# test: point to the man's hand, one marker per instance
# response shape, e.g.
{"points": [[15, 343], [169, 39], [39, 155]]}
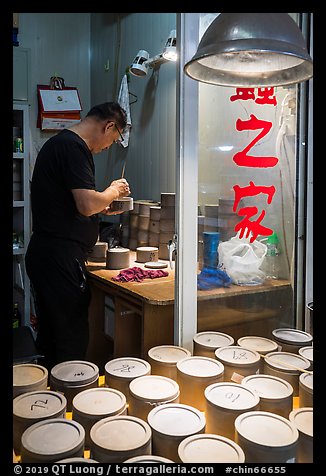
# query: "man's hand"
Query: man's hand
{"points": [[121, 186], [108, 211]]}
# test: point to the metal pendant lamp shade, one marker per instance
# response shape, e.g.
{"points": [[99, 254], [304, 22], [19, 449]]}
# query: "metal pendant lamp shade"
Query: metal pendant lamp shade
{"points": [[251, 50]]}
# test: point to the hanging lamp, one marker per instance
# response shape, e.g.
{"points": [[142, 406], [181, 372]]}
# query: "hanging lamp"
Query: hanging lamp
{"points": [[251, 50]]}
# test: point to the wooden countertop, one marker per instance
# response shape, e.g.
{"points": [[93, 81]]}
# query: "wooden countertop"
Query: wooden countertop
{"points": [[160, 291]]}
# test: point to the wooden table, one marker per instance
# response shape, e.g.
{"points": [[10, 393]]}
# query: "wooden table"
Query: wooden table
{"points": [[143, 313]]}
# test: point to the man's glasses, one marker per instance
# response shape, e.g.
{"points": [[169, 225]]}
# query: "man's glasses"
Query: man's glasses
{"points": [[118, 141]]}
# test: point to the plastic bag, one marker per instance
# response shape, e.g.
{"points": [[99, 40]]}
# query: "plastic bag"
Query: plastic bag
{"points": [[242, 260]]}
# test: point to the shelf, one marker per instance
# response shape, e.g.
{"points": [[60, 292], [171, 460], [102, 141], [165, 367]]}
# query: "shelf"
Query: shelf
{"points": [[19, 251], [21, 211]]}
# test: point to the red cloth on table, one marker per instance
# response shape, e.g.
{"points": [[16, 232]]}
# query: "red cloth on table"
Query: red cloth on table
{"points": [[139, 274]]}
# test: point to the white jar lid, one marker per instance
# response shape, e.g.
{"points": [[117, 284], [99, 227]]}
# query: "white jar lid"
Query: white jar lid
{"points": [[266, 429], [259, 344], [148, 459], [99, 401], [169, 354], [120, 433], [176, 419], [306, 379], [237, 356], [287, 361], [75, 372], [56, 436], [210, 448], [268, 386], [28, 374], [127, 367], [307, 352], [303, 419], [292, 336], [147, 248], [39, 404], [77, 459], [118, 250], [198, 366], [233, 396], [213, 340], [155, 388]]}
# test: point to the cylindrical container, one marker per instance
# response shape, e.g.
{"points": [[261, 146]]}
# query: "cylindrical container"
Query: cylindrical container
{"points": [[155, 213], [73, 376], [287, 366], [122, 204], [31, 407], [150, 391], [29, 378], [167, 226], [308, 353], [209, 448], [117, 258], [291, 340], [164, 358], [135, 210], [121, 371], [227, 219], [79, 460], [167, 213], [276, 394], [117, 438], [167, 199], [310, 307], [194, 374], [171, 423], [147, 253], [98, 253], [145, 459], [145, 206], [224, 402], [143, 222], [306, 389], [238, 362], [266, 437], [51, 440], [302, 418], [154, 239], [210, 256], [154, 228], [211, 210], [205, 343], [260, 344], [90, 406]]}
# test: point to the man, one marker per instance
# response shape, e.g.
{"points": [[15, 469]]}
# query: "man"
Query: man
{"points": [[65, 227]]}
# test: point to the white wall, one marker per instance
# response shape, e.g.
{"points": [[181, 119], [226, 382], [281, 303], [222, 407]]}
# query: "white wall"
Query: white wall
{"points": [[59, 44], [150, 156]]}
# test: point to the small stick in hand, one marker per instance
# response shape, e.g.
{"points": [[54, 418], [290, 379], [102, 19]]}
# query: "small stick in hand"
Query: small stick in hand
{"points": [[123, 169]]}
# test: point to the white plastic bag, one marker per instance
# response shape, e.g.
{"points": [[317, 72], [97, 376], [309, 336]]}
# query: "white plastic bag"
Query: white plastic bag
{"points": [[242, 260]]}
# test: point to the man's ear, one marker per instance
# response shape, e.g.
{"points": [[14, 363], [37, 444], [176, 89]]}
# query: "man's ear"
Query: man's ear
{"points": [[109, 125]]}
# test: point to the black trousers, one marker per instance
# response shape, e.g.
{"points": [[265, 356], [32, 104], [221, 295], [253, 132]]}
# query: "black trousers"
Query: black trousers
{"points": [[56, 269]]}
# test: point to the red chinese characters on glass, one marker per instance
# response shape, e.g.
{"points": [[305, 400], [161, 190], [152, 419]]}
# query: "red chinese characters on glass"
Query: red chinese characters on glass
{"points": [[249, 226], [265, 95], [244, 160]]}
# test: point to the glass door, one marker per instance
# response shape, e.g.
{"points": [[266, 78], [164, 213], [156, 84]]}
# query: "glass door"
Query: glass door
{"points": [[241, 183]]}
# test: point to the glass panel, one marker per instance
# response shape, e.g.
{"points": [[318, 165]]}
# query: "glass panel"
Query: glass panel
{"points": [[246, 190]]}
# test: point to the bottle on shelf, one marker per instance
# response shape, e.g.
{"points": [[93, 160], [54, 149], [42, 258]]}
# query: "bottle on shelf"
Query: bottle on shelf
{"points": [[271, 262], [16, 316]]}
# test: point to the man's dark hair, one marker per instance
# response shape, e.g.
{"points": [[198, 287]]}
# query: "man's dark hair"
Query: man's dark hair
{"points": [[109, 111]]}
